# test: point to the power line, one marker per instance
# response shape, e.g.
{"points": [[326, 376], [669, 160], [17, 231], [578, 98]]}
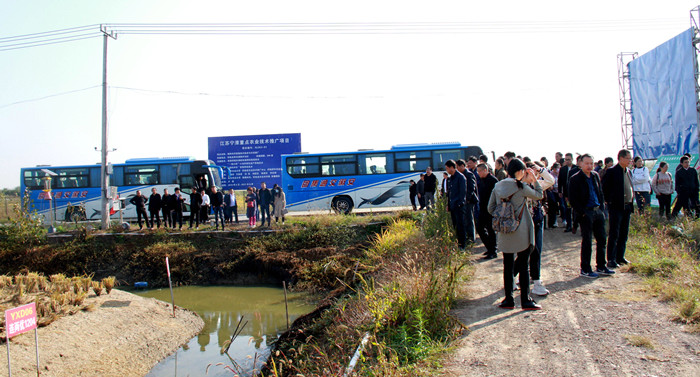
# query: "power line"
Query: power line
{"points": [[4, 47], [49, 96], [49, 33], [476, 27]]}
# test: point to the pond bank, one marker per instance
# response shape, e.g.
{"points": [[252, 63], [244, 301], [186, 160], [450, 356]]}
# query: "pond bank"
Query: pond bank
{"points": [[124, 335]]}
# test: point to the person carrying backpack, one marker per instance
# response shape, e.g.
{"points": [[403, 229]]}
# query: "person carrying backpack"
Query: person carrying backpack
{"points": [[515, 228]]}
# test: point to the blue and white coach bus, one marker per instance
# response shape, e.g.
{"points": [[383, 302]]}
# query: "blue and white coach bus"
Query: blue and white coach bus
{"points": [[363, 179], [79, 186]]}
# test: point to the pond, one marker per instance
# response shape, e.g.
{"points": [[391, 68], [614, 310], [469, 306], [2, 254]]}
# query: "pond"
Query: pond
{"points": [[221, 308]]}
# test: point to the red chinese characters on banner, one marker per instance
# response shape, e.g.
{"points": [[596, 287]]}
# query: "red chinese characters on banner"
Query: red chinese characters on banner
{"points": [[20, 319], [328, 183], [64, 195]]}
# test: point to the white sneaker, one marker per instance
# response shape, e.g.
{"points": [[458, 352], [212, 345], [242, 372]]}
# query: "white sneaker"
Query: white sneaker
{"points": [[539, 289]]}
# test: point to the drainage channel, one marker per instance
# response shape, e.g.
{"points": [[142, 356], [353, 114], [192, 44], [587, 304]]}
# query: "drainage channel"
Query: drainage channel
{"points": [[260, 313]]}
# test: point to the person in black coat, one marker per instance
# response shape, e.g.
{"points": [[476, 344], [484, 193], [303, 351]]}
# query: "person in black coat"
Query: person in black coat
{"points": [[420, 189], [154, 205], [176, 203], [587, 200], [619, 195], [195, 208], [412, 193], [139, 201], [686, 189], [217, 205], [166, 208], [457, 189], [264, 200], [472, 199], [484, 223], [563, 185], [573, 170]]}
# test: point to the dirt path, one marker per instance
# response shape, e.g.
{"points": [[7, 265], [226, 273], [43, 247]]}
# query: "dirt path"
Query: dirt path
{"points": [[126, 335], [581, 331]]}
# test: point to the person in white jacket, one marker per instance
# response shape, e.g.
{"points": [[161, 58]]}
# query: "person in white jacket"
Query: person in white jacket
{"points": [[641, 184]]}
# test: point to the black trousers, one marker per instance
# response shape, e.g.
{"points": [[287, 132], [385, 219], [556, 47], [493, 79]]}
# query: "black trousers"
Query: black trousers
{"points": [[177, 218], [513, 265], [265, 213], [664, 204], [195, 216], [592, 223], [141, 211], [230, 212], [619, 221], [458, 215], [687, 202], [155, 214], [413, 201], [552, 211], [167, 218], [484, 226]]}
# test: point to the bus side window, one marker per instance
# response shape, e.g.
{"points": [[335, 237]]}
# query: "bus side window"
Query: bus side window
{"points": [[185, 181], [117, 176]]}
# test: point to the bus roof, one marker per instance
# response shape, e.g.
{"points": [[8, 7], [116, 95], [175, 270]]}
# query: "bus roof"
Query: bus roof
{"points": [[394, 148], [131, 161]]}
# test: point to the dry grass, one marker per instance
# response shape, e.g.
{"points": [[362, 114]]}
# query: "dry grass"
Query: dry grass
{"points": [[54, 297], [666, 255], [7, 203], [403, 303], [639, 341]]}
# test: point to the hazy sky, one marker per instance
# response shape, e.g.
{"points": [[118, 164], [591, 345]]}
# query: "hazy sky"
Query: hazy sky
{"points": [[535, 77]]}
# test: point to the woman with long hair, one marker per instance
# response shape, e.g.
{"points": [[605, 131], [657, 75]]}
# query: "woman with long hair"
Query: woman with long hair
{"points": [[516, 246], [280, 203], [662, 184]]}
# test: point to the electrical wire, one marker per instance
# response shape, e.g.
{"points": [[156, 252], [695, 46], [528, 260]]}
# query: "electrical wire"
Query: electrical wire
{"points": [[49, 96], [47, 43], [476, 27], [49, 33]]}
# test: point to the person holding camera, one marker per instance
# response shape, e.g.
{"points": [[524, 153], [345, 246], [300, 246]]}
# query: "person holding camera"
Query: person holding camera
{"points": [[520, 186]]}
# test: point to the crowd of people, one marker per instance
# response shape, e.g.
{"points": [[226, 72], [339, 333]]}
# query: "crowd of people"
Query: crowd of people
{"points": [[208, 201], [511, 204]]}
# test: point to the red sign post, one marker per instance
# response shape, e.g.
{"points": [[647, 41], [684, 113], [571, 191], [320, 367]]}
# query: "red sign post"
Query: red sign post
{"points": [[17, 321], [170, 283]]}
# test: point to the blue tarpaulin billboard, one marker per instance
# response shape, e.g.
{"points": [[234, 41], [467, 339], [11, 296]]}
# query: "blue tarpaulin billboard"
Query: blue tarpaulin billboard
{"points": [[662, 91], [252, 159]]}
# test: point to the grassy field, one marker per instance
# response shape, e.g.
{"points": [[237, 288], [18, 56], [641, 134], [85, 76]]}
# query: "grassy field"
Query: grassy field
{"points": [[7, 204], [666, 255]]}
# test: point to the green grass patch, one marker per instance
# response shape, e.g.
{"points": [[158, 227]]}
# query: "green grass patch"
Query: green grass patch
{"points": [[666, 255], [401, 298]]}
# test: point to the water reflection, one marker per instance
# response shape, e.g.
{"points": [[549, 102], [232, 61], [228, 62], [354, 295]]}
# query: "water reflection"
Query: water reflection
{"points": [[221, 308]]}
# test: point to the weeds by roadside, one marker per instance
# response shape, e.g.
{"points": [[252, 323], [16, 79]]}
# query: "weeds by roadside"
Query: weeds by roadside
{"points": [[23, 228], [666, 255], [402, 302]]}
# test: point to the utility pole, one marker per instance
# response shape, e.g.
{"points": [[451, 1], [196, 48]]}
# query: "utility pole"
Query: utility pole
{"points": [[104, 177]]}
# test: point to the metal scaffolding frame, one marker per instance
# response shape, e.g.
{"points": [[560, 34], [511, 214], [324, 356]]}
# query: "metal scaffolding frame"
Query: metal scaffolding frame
{"points": [[623, 79], [695, 23]]}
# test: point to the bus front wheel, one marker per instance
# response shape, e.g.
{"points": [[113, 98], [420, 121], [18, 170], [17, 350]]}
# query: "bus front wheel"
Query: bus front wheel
{"points": [[342, 204]]}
